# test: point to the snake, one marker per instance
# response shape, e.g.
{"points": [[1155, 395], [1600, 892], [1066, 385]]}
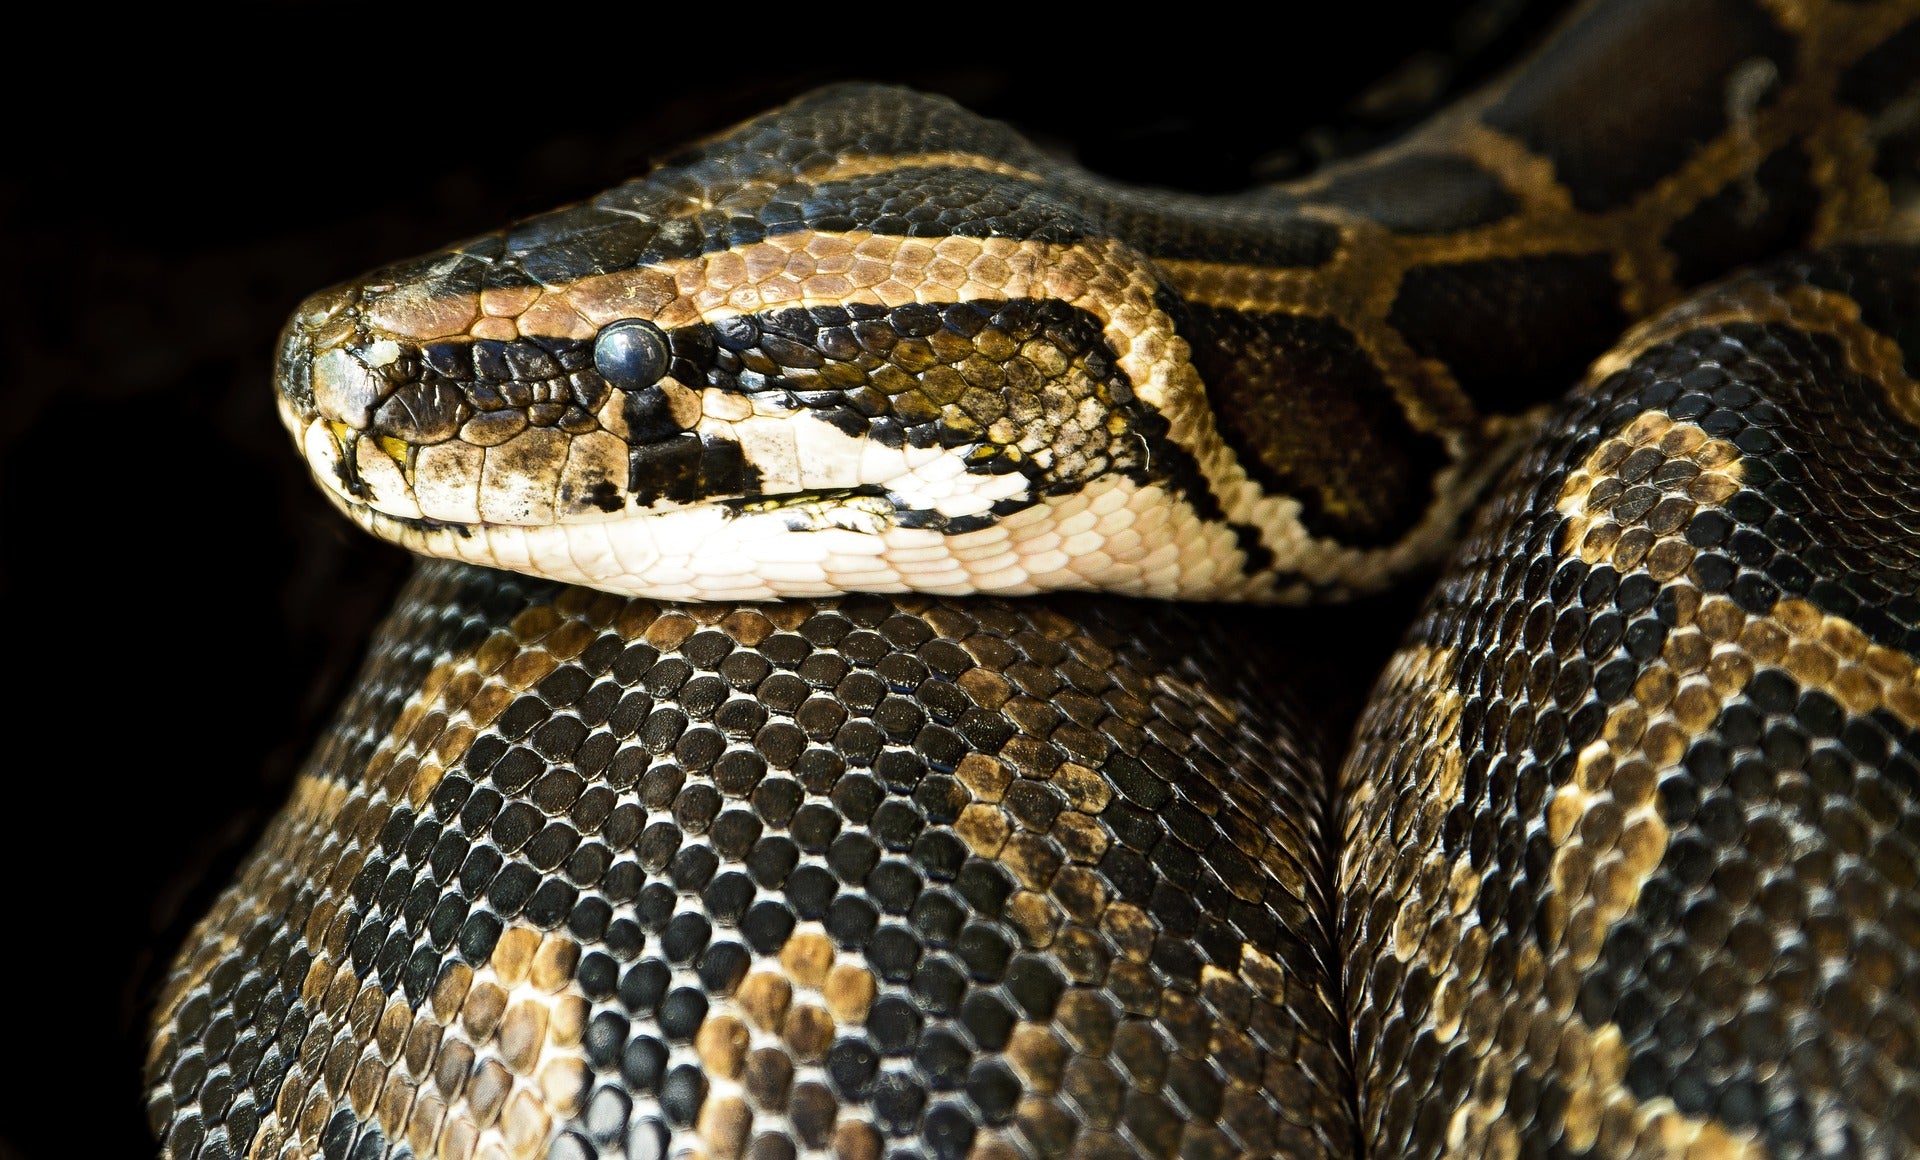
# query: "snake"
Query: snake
{"points": [[831, 725]]}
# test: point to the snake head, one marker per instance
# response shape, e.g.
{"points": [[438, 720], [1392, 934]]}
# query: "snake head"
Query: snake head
{"points": [[769, 368]]}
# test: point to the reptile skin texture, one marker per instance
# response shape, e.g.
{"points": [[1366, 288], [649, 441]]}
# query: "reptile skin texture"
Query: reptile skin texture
{"points": [[1632, 830], [790, 879], [1620, 861]]}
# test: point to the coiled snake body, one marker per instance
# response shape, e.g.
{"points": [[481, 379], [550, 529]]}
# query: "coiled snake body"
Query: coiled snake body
{"points": [[1621, 861]]}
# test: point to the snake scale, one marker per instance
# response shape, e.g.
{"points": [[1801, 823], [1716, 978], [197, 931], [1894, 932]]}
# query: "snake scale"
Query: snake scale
{"points": [[1621, 861]]}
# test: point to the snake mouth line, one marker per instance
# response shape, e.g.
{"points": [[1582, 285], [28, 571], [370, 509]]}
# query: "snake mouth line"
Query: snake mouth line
{"points": [[871, 500], [776, 501], [364, 513]]}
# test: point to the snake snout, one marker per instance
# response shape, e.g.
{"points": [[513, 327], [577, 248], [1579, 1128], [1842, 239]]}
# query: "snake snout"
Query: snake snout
{"points": [[315, 324], [293, 376], [344, 386], [323, 371]]}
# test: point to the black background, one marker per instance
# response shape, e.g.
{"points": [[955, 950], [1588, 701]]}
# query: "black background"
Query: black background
{"points": [[184, 610]]}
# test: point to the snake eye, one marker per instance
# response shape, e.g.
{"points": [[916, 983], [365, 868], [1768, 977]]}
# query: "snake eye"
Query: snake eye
{"points": [[631, 354]]}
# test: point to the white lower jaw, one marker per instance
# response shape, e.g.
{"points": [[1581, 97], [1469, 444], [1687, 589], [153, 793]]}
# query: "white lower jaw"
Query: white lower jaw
{"points": [[1113, 535]]}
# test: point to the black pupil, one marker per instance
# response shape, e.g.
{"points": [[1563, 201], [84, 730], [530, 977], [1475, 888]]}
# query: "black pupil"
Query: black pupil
{"points": [[630, 354]]}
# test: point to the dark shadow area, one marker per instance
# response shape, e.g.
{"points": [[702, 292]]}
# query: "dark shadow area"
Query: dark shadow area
{"points": [[185, 610]]}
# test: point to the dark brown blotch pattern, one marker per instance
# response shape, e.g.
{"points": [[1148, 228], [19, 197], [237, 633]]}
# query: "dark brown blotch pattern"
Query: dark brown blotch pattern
{"points": [[1633, 91], [1368, 487], [1631, 835], [1503, 327]]}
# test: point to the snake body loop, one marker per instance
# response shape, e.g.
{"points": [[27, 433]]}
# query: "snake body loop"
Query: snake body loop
{"points": [[1621, 860]]}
